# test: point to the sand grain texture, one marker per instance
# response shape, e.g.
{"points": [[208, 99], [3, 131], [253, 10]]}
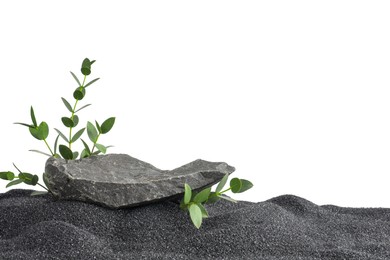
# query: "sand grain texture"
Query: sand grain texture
{"points": [[285, 227]]}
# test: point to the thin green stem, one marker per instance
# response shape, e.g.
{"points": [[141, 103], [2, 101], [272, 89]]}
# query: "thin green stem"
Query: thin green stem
{"points": [[94, 144], [85, 76], [43, 186], [48, 147], [72, 116], [225, 190], [70, 129]]}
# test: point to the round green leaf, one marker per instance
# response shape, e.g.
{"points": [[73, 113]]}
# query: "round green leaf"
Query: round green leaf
{"points": [[86, 71], [27, 178], [34, 180], [79, 93], [196, 215], [235, 185], [34, 132], [202, 195], [9, 176], [68, 122], [107, 125], [65, 152], [43, 130], [246, 185], [222, 183], [187, 193], [86, 67]]}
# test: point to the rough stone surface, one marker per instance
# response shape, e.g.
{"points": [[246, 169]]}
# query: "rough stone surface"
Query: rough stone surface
{"points": [[119, 180]]}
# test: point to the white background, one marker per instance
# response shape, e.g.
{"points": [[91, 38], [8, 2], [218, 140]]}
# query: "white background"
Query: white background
{"points": [[294, 94]]}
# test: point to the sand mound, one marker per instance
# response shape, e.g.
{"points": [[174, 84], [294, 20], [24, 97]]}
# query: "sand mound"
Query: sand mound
{"points": [[285, 227]]}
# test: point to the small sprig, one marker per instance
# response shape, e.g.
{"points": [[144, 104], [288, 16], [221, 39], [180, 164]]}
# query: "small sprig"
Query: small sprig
{"points": [[94, 134], [192, 202], [23, 177], [40, 132]]}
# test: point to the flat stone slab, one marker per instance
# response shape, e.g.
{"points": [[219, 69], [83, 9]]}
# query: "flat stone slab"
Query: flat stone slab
{"points": [[119, 180]]}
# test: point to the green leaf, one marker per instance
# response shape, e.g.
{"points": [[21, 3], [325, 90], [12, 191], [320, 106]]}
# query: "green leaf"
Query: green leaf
{"points": [[68, 106], [205, 214], [34, 180], [68, 122], [86, 67], [79, 93], [235, 185], [55, 144], [36, 151], [187, 193], [246, 185], [107, 125], [65, 152], [75, 154], [28, 178], [84, 154], [34, 120], [92, 132], [43, 129], [38, 192], [14, 183], [9, 176], [75, 120], [91, 82], [222, 183], [62, 135], [98, 127], [227, 198], [202, 195], [77, 135], [213, 197], [41, 132], [196, 215], [96, 152], [82, 108], [24, 125], [101, 148], [86, 147], [77, 80], [34, 132]]}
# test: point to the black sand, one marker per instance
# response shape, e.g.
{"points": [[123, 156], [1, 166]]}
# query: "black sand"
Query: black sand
{"points": [[285, 227]]}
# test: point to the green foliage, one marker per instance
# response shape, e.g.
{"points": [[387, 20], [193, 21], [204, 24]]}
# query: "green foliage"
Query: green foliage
{"points": [[40, 131], [192, 202]]}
